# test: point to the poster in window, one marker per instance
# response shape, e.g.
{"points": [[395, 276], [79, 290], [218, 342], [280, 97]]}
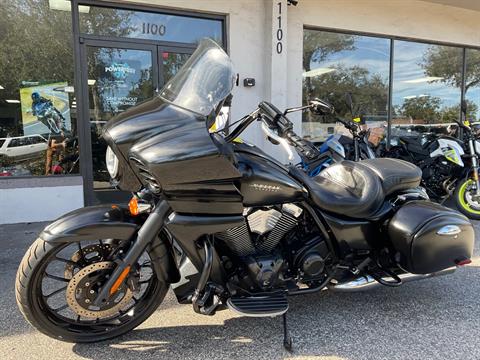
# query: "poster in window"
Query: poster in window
{"points": [[45, 109]]}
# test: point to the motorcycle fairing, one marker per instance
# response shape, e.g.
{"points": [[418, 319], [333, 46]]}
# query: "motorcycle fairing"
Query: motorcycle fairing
{"points": [[334, 144], [451, 150]]}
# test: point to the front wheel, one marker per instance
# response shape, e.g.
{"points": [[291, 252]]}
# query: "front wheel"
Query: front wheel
{"points": [[466, 199], [56, 285]]}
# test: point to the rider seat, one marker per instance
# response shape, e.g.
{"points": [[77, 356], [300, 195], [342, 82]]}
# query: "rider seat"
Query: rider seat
{"points": [[395, 174]]}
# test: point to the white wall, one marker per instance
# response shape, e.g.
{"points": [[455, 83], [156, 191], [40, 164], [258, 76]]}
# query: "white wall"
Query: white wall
{"points": [[41, 203]]}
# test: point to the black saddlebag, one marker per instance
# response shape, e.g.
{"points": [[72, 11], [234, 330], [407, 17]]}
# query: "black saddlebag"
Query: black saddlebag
{"points": [[429, 237]]}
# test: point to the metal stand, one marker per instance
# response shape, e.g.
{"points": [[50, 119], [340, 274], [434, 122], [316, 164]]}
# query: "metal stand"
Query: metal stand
{"points": [[287, 339]]}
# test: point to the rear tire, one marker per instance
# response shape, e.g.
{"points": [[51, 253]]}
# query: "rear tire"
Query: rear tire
{"points": [[32, 304], [463, 200]]}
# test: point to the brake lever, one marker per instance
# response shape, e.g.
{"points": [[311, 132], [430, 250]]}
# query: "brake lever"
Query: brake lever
{"points": [[270, 133]]}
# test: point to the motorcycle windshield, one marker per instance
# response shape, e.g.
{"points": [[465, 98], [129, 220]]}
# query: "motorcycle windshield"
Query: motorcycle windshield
{"points": [[203, 82]]}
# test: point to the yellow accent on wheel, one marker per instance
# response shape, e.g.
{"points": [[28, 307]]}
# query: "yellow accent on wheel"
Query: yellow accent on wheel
{"points": [[461, 197]]}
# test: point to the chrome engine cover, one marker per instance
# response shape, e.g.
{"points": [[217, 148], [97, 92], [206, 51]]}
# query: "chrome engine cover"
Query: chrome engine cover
{"points": [[262, 231], [263, 221]]}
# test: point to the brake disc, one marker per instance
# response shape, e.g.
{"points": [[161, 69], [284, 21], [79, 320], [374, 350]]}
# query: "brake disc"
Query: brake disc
{"points": [[85, 255], [83, 289]]}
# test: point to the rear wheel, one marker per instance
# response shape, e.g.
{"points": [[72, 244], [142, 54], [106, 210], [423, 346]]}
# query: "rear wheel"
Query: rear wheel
{"points": [[56, 285], [467, 200]]}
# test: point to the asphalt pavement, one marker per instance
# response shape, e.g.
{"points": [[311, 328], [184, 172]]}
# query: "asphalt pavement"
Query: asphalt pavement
{"points": [[430, 319]]}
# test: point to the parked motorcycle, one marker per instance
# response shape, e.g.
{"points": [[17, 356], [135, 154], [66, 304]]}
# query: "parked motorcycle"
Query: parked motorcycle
{"points": [[252, 232], [449, 165], [339, 147]]}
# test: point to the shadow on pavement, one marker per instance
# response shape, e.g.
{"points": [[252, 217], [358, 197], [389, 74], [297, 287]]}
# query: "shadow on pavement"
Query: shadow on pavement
{"points": [[430, 319]]}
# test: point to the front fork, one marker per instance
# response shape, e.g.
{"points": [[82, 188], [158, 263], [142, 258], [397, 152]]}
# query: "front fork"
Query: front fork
{"points": [[147, 233], [474, 156]]}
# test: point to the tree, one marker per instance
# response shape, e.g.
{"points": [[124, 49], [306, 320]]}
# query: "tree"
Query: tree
{"points": [[369, 91], [426, 108], [317, 46], [447, 63], [36, 42], [451, 114]]}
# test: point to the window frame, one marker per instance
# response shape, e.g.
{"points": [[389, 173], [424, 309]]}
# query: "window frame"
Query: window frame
{"points": [[392, 39], [79, 37]]}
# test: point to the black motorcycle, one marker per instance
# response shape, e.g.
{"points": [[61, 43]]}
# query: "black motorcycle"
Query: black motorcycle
{"points": [[224, 224], [449, 165]]}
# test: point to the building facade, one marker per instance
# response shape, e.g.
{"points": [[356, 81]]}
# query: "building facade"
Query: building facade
{"points": [[68, 67]]}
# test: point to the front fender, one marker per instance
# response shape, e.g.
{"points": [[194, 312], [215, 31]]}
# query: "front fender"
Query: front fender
{"points": [[90, 223]]}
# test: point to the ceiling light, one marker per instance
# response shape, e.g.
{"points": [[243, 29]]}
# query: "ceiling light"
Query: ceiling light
{"points": [[317, 72], [13, 101], [65, 5], [424, 79], [91, 82]]}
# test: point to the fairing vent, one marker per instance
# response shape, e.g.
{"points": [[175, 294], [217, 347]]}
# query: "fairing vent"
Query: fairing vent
{"points": [[147, 177]]}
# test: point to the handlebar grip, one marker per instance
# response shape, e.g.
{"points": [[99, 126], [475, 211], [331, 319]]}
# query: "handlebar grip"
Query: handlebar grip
{"points": [[303, 147]]}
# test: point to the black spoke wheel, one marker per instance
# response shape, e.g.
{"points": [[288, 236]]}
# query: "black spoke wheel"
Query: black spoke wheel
{"points": [[56, 285]]}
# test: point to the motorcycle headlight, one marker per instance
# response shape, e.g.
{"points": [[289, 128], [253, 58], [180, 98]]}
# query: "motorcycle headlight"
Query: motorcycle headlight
{"points": [[112, 163]]}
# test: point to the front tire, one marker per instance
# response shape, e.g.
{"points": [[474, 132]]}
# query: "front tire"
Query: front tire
{"points": [[35, 308], [464, 199]]}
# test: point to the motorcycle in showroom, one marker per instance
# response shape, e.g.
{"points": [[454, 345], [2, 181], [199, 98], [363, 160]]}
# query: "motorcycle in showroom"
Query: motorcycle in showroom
{"points": [[449, 165], [338, 147], [256, 231]]}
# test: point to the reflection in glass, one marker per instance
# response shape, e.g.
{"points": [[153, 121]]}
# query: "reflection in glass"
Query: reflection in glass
{"points": [[37, 103], [426, 88], [172, 62], [151, 26], [118, 79], [472, 84], [334, 64]]}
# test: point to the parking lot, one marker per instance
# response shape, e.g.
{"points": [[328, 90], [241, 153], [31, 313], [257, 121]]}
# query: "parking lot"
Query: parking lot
{"points": [[431, 319]]}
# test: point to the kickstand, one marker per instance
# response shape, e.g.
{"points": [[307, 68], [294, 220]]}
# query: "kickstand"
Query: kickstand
{"points": [[287, 339]]}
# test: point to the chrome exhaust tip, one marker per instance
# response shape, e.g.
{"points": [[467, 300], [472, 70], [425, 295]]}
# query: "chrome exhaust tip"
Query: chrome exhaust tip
{"points": [[368, 283]]}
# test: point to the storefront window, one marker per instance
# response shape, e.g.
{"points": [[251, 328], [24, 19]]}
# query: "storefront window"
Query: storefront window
{"points": [[426, 93], [472, 84], [37, 99], [335, 64], [151, 26]]}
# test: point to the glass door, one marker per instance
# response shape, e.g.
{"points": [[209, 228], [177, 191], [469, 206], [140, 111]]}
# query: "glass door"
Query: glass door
{"points": [[119, 77]]}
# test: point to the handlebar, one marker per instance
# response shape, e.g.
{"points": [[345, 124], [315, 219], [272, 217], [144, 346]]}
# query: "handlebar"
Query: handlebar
{"points": [[275, 119]]}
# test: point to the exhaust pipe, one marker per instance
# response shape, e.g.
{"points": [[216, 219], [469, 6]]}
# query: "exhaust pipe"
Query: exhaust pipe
{"points": [[368, 283]]}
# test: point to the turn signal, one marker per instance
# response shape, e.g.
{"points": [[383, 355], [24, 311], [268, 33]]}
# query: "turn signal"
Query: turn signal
{"points": [[133, 206]]}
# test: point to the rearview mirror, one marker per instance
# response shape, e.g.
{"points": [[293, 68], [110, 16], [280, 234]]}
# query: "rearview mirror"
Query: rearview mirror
{"points": [[321, 107]]}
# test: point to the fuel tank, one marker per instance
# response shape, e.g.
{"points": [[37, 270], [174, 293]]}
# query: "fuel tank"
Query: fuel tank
{"points": [[264, 181]]}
